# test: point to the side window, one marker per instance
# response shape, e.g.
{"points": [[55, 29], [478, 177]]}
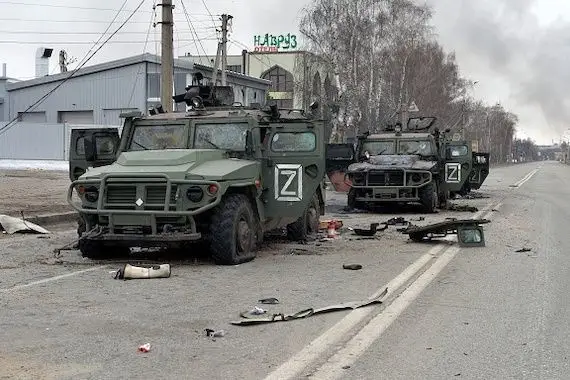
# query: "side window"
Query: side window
{"points": [[294, 142], [105, 145], [458, 151]]}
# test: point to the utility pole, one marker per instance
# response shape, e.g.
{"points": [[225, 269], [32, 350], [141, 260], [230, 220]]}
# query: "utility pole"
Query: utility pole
{"points": [[225, 19], [167, 55]]}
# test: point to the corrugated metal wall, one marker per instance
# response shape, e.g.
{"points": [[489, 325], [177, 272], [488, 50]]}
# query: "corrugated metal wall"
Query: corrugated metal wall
{"points": [[119, 88], [49, 142]]}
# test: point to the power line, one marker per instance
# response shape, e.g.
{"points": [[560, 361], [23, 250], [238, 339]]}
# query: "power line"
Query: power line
{"points": [[86, 33], [40, 100], [197, 38], [212, 38], [78, 7], [207, 10], [85, 21]]}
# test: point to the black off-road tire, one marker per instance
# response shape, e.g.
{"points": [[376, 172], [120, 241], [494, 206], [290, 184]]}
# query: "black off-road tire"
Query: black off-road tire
{"points": [[233, 231], [81, 226], [444, 200], [306, 225], [96, 250], [429, 198], [352, 203]]}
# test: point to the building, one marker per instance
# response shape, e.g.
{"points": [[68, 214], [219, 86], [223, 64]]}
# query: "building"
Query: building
{"points": [[297, 77], [100, 93], [4, 82]]}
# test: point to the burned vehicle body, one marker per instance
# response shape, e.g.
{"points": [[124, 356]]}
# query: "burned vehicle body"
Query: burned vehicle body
{"points": [[407, 167], [219, 174]]}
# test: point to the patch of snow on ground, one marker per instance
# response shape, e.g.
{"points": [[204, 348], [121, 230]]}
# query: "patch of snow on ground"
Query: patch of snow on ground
{"points": [[34, 165]]}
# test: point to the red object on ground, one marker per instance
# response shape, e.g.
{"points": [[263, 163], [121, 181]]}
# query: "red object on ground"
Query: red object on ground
{"points": [[338, 182]]}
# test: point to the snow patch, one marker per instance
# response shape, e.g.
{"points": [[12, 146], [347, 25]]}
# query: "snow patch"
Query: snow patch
{"points": [[34, 165]]}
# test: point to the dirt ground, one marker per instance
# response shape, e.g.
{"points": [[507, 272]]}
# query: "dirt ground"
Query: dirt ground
{"points": [[35, 192]]}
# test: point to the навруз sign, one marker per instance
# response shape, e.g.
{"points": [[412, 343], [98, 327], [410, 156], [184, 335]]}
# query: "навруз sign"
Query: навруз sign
{"points": [[269, 43]]}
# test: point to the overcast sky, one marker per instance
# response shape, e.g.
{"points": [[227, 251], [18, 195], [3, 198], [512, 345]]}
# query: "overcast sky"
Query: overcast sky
{"points": [[518, 50]]}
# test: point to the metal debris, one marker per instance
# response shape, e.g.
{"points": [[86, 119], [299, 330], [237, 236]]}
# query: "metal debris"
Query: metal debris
{"points": [[269, 301], [371, 231], [281, 317], [523, 250], [352, 266], [12, 225]]}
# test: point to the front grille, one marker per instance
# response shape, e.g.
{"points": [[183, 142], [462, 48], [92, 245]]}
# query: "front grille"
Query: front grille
{"points": [[156, 195], [386, 178], [117, 194]]}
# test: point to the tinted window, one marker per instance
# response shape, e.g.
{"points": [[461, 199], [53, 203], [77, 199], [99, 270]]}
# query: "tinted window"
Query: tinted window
{"points": [[105, 145], [226, 136], [157, 137], [294, 142], [375, 148], [458, 151], [421, 147]]}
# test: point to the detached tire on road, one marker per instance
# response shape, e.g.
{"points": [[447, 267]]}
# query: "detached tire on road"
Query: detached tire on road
{"points": [[233, 231], [307, 224], [429, 197]]}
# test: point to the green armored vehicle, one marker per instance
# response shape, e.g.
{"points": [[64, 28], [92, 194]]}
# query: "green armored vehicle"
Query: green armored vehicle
{"points": [[410, 166], [219, 173]]}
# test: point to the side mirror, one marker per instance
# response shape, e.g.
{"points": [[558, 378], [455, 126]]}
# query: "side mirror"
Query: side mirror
{"points": [[249, 143], [470, 236], [90, 149]]}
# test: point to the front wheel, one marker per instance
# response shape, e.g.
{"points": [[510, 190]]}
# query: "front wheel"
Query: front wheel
{"points": [[233, 231], [429, 197], [307, 224]]}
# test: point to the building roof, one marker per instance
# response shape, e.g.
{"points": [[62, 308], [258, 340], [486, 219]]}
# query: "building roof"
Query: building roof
{"points": [[146, 57]]}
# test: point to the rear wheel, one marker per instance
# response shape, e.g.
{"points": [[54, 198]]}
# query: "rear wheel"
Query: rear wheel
{"points": [[233, 231], [306, 225]]}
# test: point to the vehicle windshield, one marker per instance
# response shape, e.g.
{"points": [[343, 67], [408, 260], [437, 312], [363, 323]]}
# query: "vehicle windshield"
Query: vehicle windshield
{"points": [[420, 147], [158, 137], [225, 136], [375, 148]]}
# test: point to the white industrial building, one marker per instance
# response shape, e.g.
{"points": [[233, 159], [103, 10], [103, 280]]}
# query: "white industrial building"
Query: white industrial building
{"points": [[95, 95]]}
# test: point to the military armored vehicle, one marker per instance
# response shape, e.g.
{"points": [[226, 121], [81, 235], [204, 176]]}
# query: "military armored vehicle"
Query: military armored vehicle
{"points": [[219, 173], [406, 166]]}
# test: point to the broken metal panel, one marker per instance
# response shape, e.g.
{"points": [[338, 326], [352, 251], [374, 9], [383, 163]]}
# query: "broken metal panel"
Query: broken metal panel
{"points": [[392, 161], [450, 227], [12, 225]]}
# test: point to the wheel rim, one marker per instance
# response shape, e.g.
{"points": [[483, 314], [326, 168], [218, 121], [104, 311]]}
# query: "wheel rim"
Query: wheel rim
{"points": [[243, 237]]}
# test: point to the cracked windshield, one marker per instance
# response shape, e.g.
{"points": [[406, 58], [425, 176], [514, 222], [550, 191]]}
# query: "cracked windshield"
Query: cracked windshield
{"points": [[225, 136], [158, 137], [208, 189]]}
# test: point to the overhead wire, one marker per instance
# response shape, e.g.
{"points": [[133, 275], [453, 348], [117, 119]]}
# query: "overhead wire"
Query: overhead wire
{"points": [[84, 61], [197, 40]]}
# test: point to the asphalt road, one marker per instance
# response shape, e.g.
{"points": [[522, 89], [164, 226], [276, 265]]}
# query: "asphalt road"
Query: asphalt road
{"points": [[481, 313]]}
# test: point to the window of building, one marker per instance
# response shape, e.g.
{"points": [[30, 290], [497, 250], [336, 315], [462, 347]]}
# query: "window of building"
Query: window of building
{"points": [[234, 68], [281, 79]]}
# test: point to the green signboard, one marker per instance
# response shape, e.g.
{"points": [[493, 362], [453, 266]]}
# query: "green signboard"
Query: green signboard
{"points": [[270, 43]]}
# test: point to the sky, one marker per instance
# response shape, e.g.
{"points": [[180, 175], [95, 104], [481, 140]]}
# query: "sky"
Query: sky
{"points": [[515, 49]]}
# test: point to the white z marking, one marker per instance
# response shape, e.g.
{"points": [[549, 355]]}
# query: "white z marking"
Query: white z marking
{"points": [[453, 173], [291, 171]]}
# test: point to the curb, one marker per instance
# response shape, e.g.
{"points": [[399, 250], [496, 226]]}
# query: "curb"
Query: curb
{"points": [[48, 219]]}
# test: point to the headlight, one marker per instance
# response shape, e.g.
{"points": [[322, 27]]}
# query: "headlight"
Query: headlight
{"points": [[194, 194], [91, 194]]}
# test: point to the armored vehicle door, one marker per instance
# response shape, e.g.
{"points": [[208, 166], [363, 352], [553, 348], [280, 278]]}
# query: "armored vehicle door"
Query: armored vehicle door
{"points": [[457, 165], [294, 168], [91, 148], [480, 169]]}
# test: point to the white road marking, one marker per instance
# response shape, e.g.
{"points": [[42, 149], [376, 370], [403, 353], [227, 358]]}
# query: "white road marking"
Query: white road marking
{"points": [[318, 347], [525, 178], [333, 368], [49, 279]]}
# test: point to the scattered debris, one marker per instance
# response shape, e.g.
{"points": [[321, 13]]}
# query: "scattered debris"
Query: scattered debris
{"points": [[345, 367], [215, 333], [324, 224], [523, 250], [332, 229], [257, 311], [462, 208], [68, 247], [419, 219], [396, 221], [269, 301], [352, 266], [144, 348], [371, 231], [12, 225], [130, 272], [469, 231], [280, 317]]}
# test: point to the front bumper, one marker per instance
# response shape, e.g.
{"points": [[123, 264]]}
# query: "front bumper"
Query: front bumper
{"points": [[122, 215], [398, 190]]}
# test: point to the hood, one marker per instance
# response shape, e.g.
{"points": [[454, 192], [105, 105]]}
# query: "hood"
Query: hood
{"points": [[179, 164], [392, 161]]}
